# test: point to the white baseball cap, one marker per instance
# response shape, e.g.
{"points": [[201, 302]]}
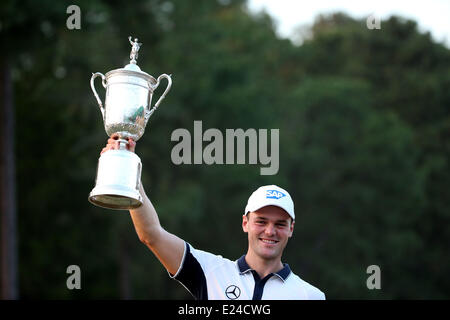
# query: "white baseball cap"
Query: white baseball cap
{"points": [[270, 195]]}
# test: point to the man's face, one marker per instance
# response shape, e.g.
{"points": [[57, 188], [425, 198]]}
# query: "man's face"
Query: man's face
{"points": [[269, 230]]}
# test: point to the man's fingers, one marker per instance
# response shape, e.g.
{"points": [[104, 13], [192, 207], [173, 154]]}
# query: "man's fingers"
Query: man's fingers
{"points": [[131, 142], [131, 145], [112, 141], [113, 144], [109, 146]]}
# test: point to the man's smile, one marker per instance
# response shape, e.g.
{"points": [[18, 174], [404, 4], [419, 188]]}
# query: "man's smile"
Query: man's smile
{"points": [[269, 241]]}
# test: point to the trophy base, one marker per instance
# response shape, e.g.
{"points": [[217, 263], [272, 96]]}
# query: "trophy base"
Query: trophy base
{"points": [[115, 197], [118, 180]]}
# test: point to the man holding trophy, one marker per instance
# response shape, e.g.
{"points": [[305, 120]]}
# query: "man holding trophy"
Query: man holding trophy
{"points": [[268, 217]]}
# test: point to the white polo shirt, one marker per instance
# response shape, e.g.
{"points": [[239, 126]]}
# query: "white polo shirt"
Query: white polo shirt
{"points": [[211, 277]]}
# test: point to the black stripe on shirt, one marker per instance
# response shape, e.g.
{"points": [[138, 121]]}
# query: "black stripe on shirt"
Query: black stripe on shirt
{"points": [[192, 276]]}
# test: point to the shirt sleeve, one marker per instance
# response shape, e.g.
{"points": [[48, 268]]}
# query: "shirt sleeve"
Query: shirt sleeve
{"points": [[191, 273], [315, 294]]}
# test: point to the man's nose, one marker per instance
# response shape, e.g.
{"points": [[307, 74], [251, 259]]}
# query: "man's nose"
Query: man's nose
{"points": [[270, 229]]}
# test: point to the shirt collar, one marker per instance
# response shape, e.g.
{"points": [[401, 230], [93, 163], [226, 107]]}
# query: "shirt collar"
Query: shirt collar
{"points": [[244, 267]]}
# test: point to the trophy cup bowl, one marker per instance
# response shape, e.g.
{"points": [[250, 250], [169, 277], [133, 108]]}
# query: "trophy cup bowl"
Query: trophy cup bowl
{"points": [[126, 112]]}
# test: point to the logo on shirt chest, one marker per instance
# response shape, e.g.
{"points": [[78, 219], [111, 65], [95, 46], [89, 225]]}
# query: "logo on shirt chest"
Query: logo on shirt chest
{"points": [[232, 292]]}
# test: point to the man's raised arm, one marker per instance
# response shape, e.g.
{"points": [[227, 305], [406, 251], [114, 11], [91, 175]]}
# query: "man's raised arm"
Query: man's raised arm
{"points": [[168, 248]]}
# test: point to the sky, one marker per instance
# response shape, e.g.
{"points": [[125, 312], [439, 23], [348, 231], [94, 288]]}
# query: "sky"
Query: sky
{"points": [[431, 15]]}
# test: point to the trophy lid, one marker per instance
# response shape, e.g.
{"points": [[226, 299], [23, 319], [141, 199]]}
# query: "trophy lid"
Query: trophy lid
{"points": [[132, 68]]}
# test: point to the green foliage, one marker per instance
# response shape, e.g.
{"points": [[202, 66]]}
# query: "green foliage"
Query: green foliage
{"points": [[363, 118], [356, 178]]}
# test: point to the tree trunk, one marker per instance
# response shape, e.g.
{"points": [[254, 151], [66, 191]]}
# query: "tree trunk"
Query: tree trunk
{"points": [[124, 269], [8, 249]]}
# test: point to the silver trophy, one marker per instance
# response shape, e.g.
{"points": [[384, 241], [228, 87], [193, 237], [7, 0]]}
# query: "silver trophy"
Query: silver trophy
{"points": [[126, 112]]}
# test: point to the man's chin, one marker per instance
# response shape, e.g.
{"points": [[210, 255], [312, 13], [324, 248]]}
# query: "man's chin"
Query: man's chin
{"points": [[268, 254]]}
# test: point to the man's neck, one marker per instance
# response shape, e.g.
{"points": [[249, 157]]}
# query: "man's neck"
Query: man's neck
{"points": [[263, 266]]}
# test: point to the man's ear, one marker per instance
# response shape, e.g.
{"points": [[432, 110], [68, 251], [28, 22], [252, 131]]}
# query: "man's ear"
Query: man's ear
{"points": [[245, 223], [292, 228]]}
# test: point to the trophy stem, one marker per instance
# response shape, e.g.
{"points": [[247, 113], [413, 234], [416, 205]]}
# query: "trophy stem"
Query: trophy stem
{"points": [[123, 144]]}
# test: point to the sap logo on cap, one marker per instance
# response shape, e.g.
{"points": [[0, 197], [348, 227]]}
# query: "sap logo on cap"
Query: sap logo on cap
{"points": [[274, 194]]}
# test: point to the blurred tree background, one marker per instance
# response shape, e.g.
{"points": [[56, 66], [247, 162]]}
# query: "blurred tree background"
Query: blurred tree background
{"points": [[364, 145]]}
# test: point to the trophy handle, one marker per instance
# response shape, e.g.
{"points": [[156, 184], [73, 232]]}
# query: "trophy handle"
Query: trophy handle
{"points": [[100, 104], [169, 85]]}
